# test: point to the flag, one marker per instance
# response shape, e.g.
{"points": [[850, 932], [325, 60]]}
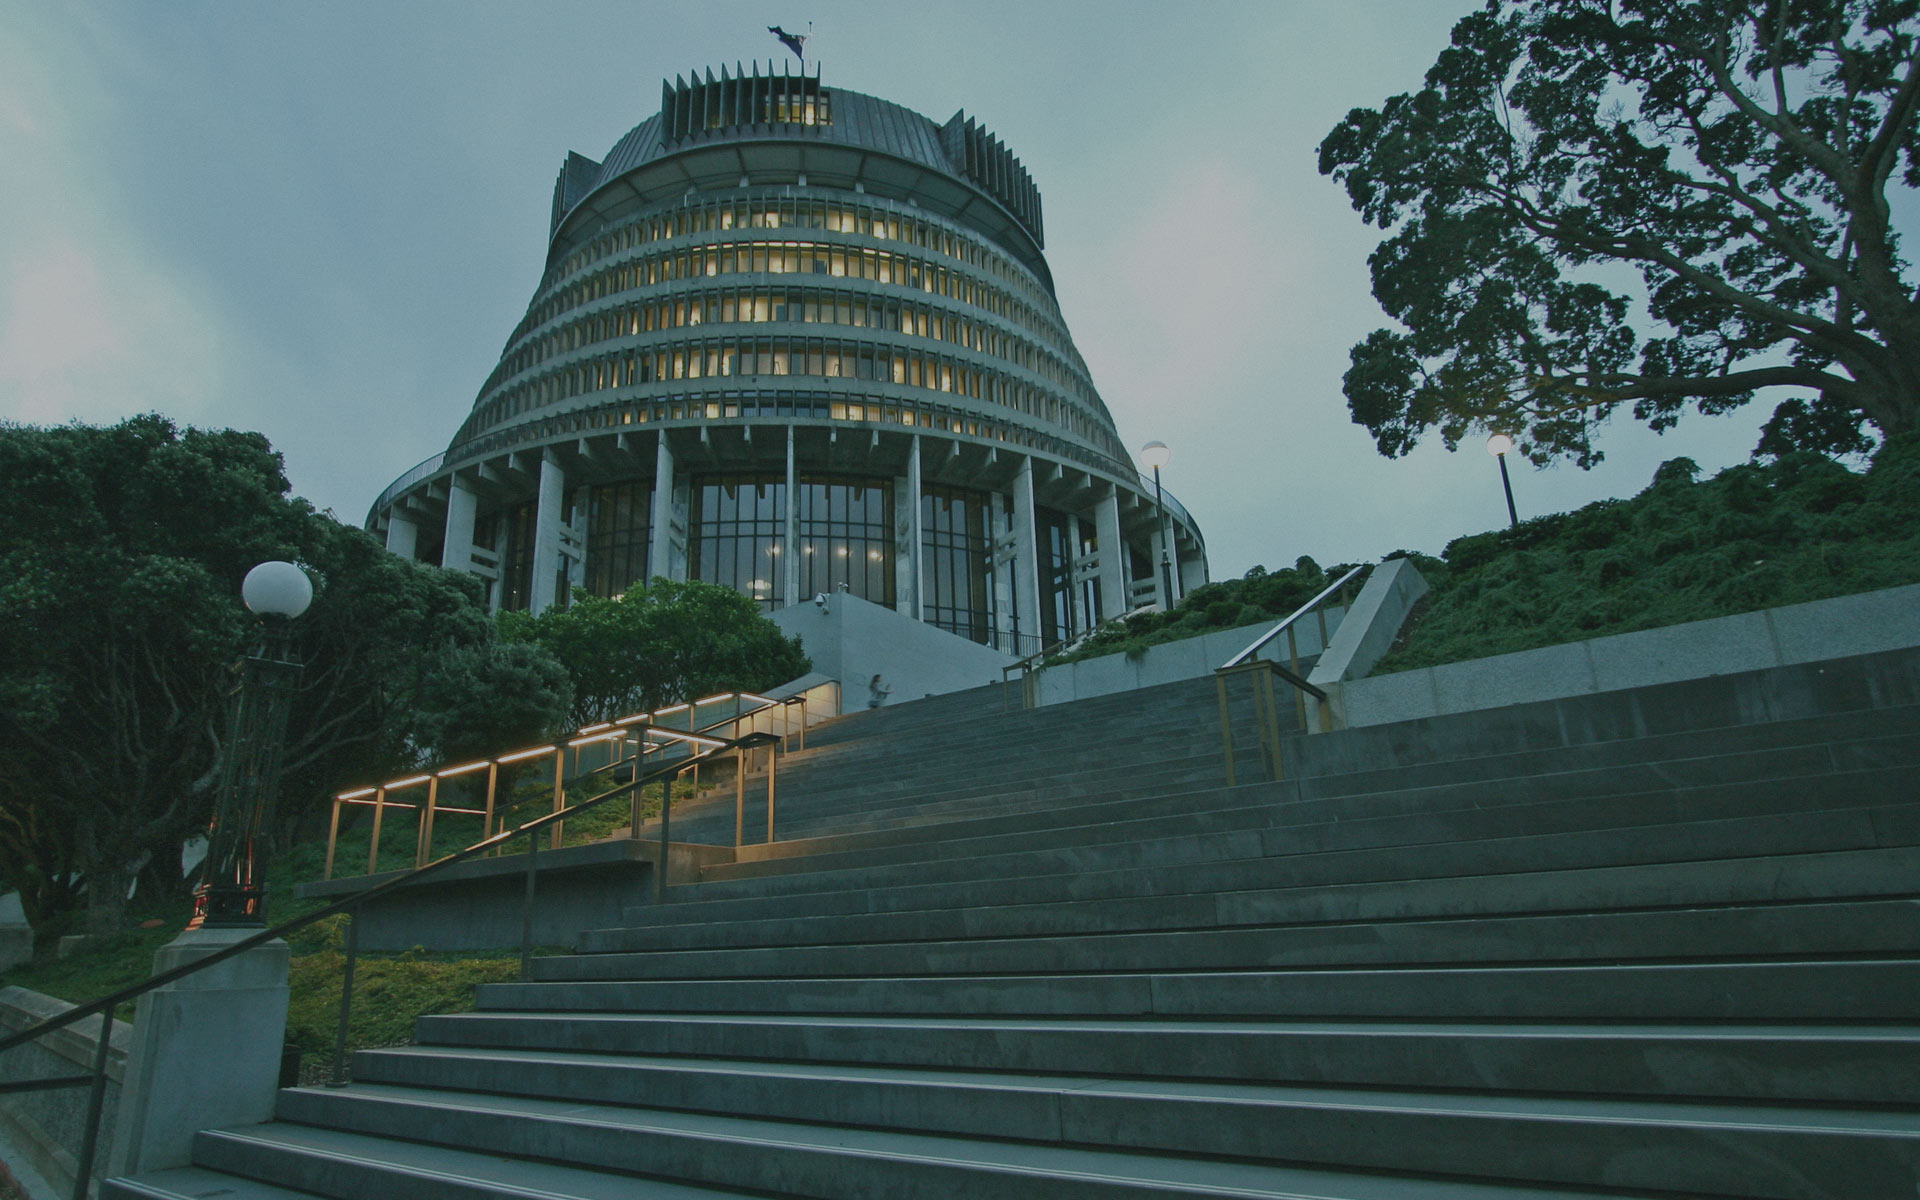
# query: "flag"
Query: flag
{"points": [[792, 41]]}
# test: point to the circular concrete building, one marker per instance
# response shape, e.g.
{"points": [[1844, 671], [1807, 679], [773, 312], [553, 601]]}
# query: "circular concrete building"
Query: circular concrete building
{"points": [[797, 340]]}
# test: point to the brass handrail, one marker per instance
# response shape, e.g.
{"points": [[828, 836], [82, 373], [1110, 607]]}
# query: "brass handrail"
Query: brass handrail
{"points": [[1265, 705], [616, 730]]}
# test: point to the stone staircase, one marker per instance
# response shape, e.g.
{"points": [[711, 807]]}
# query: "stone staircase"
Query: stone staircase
{"points": [[1657, 943]]}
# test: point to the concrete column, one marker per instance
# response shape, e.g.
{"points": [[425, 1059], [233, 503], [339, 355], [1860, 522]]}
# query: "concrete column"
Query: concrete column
{"points": [[542, 589], [1162, 544], [906, 552], [206, 1050], [573, 545], [1001, 547], [1081, 621], [660, 548], [1026, 557], [462, 506], [403, 535], [1192, 570], [790, 546], [1113, 555]]}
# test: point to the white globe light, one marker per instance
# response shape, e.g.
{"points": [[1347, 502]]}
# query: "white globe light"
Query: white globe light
{"points": [[277, 589], [1499, 444], [1155, 455]]}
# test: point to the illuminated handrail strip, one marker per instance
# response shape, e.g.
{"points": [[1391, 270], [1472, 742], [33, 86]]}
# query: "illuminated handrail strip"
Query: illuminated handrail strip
{"points": [[599, 731]]}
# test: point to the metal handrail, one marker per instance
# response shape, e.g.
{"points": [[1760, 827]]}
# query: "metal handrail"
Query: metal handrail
{"points": [[588, 734], [1265, 705], [1260, 642], [83, 1170]]}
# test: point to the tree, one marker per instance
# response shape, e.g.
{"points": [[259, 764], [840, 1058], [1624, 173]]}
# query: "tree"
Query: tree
{"points": [[121, 555], [1738, 155], [483, 700], [672, 642]]}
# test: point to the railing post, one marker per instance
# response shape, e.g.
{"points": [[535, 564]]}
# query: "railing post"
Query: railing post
{"points": [[771, 758], [96, 1101], [526, 906], [333, 838], [1226, 725], [339, 1078], [373, 846], [739, 796], [559, 790], [423, 848], [1299, 697], [1271, 730], [493, 780], [666, 821]]}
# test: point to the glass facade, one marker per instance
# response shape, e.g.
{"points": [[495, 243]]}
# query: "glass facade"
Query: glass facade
{"points": [[511, 533], [619, 536], [956, 555], [845, 534], [739, 531]]}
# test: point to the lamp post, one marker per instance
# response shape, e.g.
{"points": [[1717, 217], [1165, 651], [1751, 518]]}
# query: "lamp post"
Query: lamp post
{"points": [[1498, 445], [1156, 455], [232, 892]]}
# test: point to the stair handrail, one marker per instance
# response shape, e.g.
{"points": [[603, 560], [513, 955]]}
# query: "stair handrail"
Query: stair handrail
{"points": [[1265, 706], [1286, 623], [1025, 667], [97, 1075], [587, 734]]}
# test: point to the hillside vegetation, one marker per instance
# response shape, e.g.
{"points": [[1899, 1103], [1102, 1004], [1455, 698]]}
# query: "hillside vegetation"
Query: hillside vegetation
{"points": [[1755, 536], [1802, 527], [1262, 595]]}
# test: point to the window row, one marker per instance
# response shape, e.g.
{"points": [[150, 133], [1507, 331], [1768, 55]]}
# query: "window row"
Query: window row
{"points": [[794, 258], [786, 406], [835, 216], [729, 358], [752, 306]]}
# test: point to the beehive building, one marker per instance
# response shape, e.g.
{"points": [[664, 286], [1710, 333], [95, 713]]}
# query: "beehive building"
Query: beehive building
{"points": [[799, 340]]}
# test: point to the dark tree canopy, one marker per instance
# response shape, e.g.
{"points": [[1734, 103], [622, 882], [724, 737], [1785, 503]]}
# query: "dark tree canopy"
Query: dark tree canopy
{"points": [[1738, 154], [121, 555], [672, 642]]}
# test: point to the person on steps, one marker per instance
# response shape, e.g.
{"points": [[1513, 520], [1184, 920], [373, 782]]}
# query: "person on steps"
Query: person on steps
{"points": [[877, 692]]}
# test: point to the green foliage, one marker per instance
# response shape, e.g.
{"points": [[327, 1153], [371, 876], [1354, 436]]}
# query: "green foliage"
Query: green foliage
{"points": [[389, 992], [481, 700], [647, 649], [1227, 604], [1800, 528], [1737, 155], [120, 627]]}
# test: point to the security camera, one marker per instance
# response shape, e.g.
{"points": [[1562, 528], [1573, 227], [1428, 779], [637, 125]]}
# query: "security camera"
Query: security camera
{"points": [[820, 601]]}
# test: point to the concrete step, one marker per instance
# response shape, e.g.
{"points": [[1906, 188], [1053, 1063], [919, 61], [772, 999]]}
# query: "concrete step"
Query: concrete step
{"points": [[1064, 1161], [1805, 1064], [1795, 876], [1819, 990], [195, 1183], [361, 1166], [579, 1104], [1334, 855], [1902, 724], [1881, 792], [1743, 931], [1808, 746], [1063, 826], [1329, 855]]}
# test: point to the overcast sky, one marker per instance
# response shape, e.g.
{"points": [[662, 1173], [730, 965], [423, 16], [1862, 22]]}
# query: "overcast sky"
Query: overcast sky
{"points": [[322, 221]]}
